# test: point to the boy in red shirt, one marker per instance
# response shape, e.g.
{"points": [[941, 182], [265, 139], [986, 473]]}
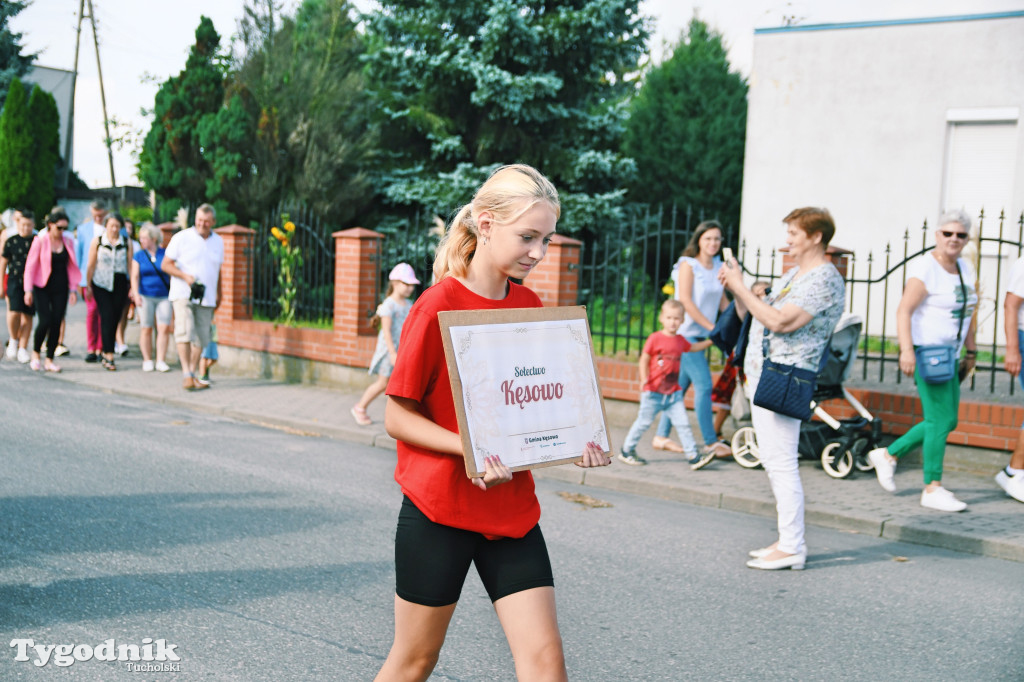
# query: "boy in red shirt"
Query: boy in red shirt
{"points": [[659, 376]]}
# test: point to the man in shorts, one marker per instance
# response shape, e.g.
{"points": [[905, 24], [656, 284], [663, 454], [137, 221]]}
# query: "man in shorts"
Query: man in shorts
{"points": [[193, 260], [14, 249], [1011, 479]]}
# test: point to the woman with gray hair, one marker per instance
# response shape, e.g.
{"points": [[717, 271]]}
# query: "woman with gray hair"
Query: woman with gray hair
{"points": [[151, 286], [936, 312]]}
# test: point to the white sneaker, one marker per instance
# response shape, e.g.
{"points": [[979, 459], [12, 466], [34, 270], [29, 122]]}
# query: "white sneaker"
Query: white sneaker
{"points": [[147, 365], [1013, 485], [120, 348], [23, 355], [12, 349], [941, 499], [162, 366], [885, 468]]}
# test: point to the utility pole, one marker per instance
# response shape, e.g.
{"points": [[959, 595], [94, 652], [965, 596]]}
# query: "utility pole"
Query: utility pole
{"points": [[71, 109], [103, 97]]}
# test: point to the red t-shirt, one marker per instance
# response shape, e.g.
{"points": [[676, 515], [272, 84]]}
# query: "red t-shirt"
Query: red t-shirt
{"points": [[663, 372], [436, 482]]}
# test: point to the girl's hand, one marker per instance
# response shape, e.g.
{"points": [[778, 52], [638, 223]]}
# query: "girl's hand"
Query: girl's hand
{"points": [[72, 297], [393, 356], [28, 298], [594, 456], [908, 362], [495, 473]]}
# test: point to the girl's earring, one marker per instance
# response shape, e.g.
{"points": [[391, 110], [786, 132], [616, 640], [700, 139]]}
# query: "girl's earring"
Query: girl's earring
{"points": [[484, 241]]}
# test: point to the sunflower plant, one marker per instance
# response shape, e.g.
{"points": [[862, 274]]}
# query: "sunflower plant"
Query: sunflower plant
{"points": [[289, 258]]}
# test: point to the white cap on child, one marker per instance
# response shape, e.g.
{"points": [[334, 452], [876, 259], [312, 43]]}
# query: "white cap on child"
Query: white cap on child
{"points": [[403, 272]]}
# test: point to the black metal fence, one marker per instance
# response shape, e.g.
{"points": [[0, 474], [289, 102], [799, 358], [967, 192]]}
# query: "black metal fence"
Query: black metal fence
{"points": [[411, 240], [315, 300], [624, 267]]}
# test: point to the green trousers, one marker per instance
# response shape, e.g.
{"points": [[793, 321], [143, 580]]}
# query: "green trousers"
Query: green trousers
{"points": [[940, 404]]}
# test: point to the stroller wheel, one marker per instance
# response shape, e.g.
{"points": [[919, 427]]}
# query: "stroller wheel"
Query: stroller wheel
{"points": [[744, 448], [836, 462], [860, 459]]}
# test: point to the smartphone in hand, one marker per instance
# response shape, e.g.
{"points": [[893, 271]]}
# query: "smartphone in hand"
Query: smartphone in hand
{"points": [[727, 254]]}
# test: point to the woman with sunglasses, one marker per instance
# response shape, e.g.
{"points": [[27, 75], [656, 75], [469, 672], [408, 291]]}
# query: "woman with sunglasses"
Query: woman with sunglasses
{"points": [[51, 275], [937, 308]]}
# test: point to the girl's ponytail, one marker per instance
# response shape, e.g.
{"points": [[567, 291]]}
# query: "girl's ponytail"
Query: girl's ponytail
{"points": [[457, 247]]}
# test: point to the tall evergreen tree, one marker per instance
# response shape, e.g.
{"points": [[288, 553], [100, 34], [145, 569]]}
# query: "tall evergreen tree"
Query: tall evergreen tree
{"points": [[15, 148], [463, 87], [45, 119], [172, 160], [687, 128], [13, 64]]}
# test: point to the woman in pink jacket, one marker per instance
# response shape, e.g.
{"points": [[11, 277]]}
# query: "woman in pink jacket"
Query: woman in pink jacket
{"points": [[51, 276]]}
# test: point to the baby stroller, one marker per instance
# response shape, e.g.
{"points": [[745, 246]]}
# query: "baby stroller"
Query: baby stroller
{"points": [[841, 444]]}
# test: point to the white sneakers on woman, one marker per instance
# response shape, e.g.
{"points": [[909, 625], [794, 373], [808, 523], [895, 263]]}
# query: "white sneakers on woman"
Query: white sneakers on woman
{"points": [[885, 468], [941, 499]]}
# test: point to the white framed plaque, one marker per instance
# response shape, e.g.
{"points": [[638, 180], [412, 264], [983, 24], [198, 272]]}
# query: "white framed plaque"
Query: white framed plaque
{"points": [[525, 385]]}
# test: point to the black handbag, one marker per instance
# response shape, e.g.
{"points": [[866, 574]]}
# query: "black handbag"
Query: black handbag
{"points": [[785, 389]]}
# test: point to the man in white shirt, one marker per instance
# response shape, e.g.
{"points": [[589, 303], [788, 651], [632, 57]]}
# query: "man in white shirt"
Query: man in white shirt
{"points": [[1011, 479], [193, 258], [85, 233]]}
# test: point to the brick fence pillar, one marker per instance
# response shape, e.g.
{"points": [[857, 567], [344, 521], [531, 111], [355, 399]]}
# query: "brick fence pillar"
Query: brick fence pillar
{"points": [[556, 278], [236, 273], [355, 286]]}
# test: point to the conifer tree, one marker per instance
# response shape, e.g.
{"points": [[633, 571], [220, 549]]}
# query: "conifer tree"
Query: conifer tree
{"points": [[45, 120], [687, 126], [15, 148]]}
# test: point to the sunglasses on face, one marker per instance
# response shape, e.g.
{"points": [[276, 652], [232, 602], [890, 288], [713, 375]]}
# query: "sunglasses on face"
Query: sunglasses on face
{"points": [[950, 235]]}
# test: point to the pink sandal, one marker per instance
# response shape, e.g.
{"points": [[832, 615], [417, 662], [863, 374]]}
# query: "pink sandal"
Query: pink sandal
{"points": [[359, 414], [51, 367]]}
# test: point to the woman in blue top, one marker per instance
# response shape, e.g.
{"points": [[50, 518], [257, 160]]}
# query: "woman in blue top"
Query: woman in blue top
{"points": [[697, 287], [151, 286]]}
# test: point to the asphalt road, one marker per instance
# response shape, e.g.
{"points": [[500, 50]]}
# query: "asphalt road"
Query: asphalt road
{"points": [[261, 554]]}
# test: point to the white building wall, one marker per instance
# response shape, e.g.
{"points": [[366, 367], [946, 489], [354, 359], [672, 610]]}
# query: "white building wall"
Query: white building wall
{"points": [[856, 118]]}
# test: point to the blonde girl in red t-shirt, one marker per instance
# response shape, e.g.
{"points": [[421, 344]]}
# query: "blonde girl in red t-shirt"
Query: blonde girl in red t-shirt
{"points": [[448, 520]]}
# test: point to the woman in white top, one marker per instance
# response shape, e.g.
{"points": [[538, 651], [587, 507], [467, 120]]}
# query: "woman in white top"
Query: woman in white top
{"points": [[937, 308], [695, 277], [107, 274]]}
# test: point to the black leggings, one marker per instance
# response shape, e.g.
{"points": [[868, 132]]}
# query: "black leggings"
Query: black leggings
{"points": [[432, 560], [50, 304], [110, 305]]}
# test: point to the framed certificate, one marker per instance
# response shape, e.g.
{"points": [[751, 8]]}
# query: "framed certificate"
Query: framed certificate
{"points": [[525, 385]]}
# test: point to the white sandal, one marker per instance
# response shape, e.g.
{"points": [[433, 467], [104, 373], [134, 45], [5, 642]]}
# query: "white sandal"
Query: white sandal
{"points": [[359, 414]]}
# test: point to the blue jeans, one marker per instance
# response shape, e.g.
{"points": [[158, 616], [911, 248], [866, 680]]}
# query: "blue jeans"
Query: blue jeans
{"points": [[671, 404], [693, 369]]}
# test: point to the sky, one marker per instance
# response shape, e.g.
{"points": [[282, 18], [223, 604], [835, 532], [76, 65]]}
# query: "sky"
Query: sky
{"points": [[143, 42]]}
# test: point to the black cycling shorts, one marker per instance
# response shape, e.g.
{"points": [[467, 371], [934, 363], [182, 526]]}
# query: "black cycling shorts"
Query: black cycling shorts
{"points": [[16, 297], [432, 560]]}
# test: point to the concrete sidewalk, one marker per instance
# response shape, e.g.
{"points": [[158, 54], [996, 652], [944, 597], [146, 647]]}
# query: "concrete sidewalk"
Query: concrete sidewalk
{"points": [[992, 526]]}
